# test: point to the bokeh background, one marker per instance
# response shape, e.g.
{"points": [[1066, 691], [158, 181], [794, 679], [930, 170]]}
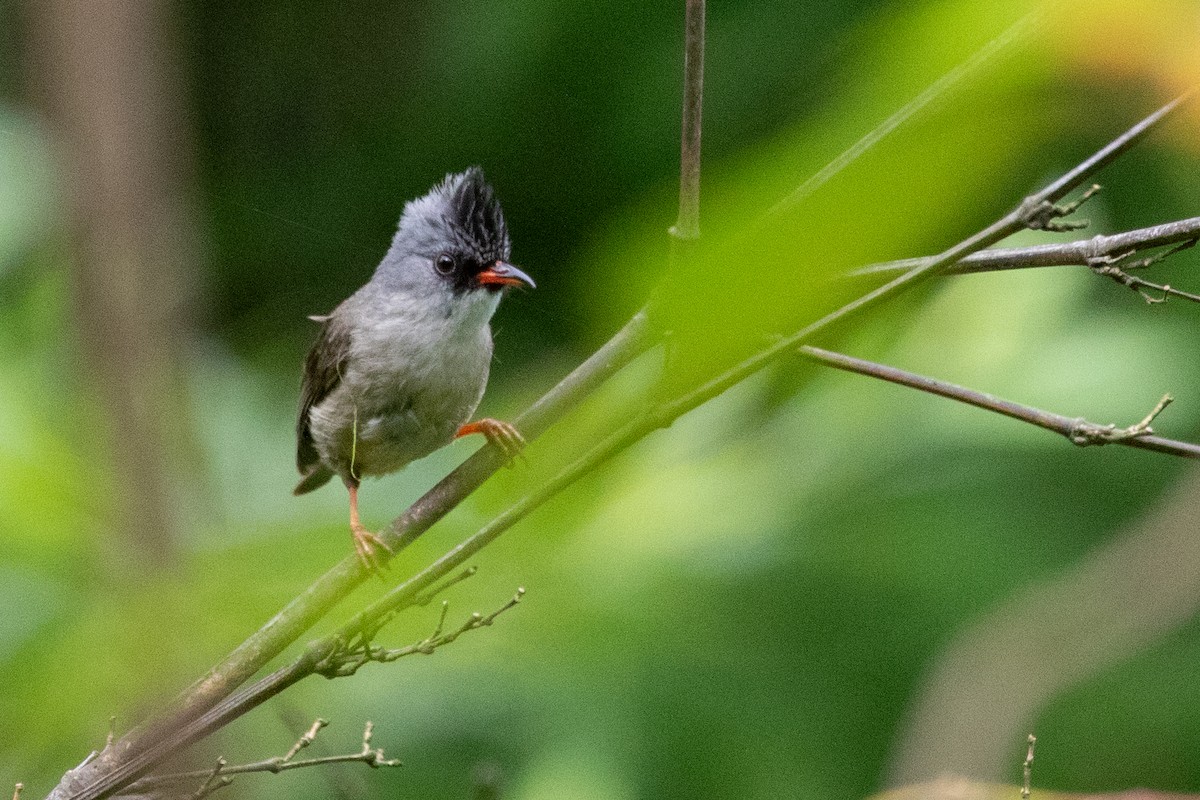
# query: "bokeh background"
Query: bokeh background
{"points": [[814, 586]]}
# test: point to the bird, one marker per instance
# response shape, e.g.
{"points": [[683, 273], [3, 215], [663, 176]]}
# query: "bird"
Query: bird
{"points": [[399, 367]]}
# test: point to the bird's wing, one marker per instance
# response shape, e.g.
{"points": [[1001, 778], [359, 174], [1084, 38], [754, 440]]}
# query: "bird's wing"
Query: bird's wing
{"points": [[322, 374]]}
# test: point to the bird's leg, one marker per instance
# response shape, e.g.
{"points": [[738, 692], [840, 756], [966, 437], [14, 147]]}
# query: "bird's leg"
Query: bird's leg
{"points": [[365, 542], [503, 435]]}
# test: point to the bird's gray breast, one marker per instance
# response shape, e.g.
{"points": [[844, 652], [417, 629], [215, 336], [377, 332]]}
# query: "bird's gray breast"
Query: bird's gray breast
{"points": [[414, 374]]}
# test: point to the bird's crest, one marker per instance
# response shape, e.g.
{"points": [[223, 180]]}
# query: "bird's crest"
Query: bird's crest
{"points": [[473, 213]]}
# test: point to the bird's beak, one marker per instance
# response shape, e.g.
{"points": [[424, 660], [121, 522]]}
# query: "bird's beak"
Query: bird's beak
{"points": [[504, 274]]}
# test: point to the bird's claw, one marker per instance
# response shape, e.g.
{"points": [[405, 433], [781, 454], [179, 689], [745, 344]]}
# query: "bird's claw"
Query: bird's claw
{"points": [[501, 435], [368, 546]]}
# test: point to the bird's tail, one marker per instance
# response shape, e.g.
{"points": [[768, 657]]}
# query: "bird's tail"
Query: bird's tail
{"points": [[315, 478]]}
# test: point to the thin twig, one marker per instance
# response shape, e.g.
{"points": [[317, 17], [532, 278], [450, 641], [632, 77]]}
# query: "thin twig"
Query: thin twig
{"points": [[305, 740], [348, 654], [372, 757], [1036, 209], [359, 651], [935, 91], [687, 227], [1118, 267], [1082, 253], [213, 780], [191, 717], [1076, 430], [367, 634], [320, 656], [1028, 768]]}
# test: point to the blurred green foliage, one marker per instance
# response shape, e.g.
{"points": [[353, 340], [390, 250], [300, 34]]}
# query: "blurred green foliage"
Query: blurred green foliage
{"points": [[743, 605]]}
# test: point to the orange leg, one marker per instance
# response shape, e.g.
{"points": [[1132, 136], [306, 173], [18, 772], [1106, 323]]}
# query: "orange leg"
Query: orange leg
{"points": [[366, 543], [503, 435]]}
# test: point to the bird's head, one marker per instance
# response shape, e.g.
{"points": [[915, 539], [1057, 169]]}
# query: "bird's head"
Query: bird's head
{"points": [[456, 236]]}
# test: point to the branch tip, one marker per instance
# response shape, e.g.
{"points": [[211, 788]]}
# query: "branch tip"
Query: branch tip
{"points": [[305, 740], [1086, 433], [1110, 266], [214, 781], [213, 701], [1028, 767], [1079, 430], [1040, 214], [368, 731]]}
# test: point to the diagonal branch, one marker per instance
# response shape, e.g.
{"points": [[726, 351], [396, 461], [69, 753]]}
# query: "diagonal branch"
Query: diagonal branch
{"points": [[219, 776], [1037, 209], [412, 590], [1083, 253], [138, 750], [935, 91], [132, 755], [1119, 268], [1078, 431]]}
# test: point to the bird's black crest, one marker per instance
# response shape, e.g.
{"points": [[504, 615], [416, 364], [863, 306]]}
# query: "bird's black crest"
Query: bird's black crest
{"points": [[475, 215]]}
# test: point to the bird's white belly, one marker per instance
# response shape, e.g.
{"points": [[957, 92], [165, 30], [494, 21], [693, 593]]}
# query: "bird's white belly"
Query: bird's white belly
{"points": [[398, 403]]}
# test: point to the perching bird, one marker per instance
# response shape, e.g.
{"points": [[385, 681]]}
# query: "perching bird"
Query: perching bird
{"points": [[400, 366]]}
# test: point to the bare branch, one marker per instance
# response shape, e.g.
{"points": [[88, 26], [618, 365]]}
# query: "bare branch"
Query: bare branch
{"points": [[1081, 253], [1050, 216], [344, 651], [1117, 268], [935, 91], [215, 699], [219, 776], [1076, 430], [348, 654], [1028, 768], [1036, 209], [687, 227], [193, 711], [213, 781], [304, 741], [1105, 155]]}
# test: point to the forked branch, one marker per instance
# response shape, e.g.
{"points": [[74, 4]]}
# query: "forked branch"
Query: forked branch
{"points": [[221, 774], [216, 699], [1076, 430]]}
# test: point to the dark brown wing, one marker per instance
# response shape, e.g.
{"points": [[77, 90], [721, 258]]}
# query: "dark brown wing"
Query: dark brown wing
{"points": [[322, 374]]}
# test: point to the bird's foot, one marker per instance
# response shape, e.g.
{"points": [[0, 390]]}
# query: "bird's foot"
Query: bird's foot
{"points": [[370, 548], [502, 435]]}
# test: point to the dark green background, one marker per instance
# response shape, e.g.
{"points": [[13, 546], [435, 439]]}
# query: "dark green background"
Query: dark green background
{"points": [[744, 605]]}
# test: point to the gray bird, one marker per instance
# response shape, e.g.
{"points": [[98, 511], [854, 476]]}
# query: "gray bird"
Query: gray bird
{"points": [[400, 366]]}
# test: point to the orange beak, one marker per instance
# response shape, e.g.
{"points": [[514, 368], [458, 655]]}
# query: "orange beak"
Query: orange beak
{"points": [[504, 274]]}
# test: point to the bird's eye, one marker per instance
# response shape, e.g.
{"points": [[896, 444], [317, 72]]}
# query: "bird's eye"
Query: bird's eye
{"points": [[444, 264]]}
